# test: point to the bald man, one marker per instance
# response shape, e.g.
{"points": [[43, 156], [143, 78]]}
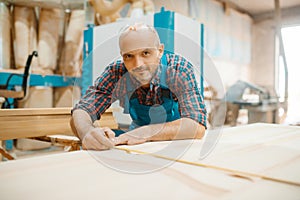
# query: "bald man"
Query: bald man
{"points": [[158, 90]]}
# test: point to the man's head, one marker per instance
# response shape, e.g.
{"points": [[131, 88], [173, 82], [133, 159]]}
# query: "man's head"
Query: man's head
{"points": [[141, 50]]}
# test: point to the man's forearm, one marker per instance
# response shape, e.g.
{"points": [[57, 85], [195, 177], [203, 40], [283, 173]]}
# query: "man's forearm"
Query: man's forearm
{"points": [[184, 128], [82, 123]]}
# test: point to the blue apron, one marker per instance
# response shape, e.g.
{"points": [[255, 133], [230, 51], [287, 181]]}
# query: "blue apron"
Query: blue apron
{"points": [[143, 114]]}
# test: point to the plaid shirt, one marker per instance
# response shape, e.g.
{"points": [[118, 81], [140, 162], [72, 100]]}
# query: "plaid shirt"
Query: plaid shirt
{"points": [[111, 85]]}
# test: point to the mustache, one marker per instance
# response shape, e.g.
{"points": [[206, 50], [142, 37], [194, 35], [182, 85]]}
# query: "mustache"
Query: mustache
{"points": [[140, 68]]}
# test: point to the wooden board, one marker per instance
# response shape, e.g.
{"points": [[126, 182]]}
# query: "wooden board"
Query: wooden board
{"points": [[33, 122], [78, 175], [87, 175], [263, 149]]}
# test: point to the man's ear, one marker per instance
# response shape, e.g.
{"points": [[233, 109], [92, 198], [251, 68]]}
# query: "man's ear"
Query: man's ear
{"points": [[161, 49]]}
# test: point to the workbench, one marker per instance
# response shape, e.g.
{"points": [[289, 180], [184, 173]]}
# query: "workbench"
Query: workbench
{"points": [[45, 124], [257, 161]]}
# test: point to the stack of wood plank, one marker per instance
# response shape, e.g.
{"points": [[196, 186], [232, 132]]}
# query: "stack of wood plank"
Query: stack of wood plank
{"points": [[35, 122], [31, 122]]}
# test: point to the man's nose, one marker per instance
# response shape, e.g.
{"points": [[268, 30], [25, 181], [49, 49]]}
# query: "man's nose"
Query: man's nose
{"points": [[138, 62]]}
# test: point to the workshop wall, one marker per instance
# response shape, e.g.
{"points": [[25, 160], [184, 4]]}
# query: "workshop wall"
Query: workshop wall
{"points": [[228, 35], [264, 62], [228, 40], [263, 59]]}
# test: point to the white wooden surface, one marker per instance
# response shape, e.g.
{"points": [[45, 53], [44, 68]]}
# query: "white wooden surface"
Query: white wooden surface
{"points": [[261, 148]]}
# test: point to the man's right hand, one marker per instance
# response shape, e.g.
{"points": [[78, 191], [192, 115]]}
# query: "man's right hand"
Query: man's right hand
{"points": [[99, 139], [93, 138]]}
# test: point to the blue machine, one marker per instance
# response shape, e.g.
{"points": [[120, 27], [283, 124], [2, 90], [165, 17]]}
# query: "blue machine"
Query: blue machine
{"points": [[179, 34]]}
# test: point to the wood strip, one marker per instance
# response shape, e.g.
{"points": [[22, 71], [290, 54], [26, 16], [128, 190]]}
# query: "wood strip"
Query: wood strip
{"points": [[6, 154], [237, 173]]}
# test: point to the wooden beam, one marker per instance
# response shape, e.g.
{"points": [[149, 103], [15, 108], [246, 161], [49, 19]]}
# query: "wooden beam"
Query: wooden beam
{"points": [[34, 122]]}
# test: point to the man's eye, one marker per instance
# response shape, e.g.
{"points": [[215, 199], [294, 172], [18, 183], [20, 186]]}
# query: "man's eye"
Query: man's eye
{"points": [[146, 53], [127, 56]]}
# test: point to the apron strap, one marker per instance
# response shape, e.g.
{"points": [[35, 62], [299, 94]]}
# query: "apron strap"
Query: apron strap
{"points": [[129, 91], [163, 74]]}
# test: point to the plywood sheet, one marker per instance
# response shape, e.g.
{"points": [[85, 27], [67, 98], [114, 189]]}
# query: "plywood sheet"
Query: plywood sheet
{"points": [[266, 149], [79, 175], [263, 149]]}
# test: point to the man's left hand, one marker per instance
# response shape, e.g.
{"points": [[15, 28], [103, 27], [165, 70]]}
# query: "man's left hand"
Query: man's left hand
{"points": [[130, 138]]}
